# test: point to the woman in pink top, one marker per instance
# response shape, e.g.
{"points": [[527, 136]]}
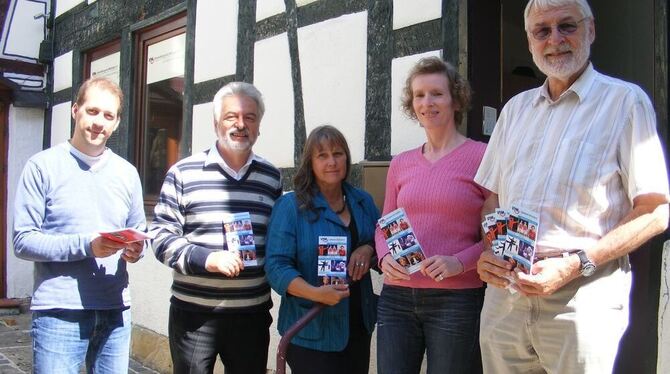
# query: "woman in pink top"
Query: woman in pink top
{"points": [[435, 310]]}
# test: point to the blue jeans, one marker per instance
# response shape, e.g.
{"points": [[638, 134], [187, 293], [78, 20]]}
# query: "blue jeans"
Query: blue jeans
{"points": [[64, 339], [443, 323]]}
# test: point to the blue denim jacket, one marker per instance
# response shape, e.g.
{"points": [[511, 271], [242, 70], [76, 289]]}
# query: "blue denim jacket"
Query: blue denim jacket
{"points": [[291, 251]]}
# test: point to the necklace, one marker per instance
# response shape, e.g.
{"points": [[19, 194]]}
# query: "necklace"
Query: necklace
{"points": [[344, 205]]}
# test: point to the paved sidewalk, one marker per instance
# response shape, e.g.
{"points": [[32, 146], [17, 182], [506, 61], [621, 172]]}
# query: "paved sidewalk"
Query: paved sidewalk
{"points": [[16, 345]]}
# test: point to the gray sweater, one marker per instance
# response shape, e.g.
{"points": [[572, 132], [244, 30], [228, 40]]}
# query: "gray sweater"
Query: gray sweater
{"points": [[61, 205]]}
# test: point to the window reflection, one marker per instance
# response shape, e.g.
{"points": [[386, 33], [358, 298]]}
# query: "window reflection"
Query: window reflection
{"points": [[163, 121], [163, 99]]}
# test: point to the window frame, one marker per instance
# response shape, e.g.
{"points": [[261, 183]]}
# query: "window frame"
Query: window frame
{"points": [[143, 38]]}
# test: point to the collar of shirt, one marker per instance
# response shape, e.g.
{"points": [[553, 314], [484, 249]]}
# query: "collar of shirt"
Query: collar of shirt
{"points": [[581, 88], [93, 162], [214, 157]]}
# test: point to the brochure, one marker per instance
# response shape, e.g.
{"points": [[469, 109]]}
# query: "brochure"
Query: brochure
{"points": [[501, 216], [127, 235], [491, 228], [401, 240], [332, 260], [521, 236], [240, 236]]}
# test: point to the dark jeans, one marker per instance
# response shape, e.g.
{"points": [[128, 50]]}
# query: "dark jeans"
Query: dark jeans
{"points": [[240, 339], [443, 323]]}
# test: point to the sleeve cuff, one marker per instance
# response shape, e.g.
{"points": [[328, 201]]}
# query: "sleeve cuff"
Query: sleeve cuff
{"points": [[88, 239], [469, 256], [197, 259], [286, 279]]}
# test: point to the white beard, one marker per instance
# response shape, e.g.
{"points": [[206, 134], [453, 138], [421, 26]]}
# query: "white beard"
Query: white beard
{"points": [[565, 66]]}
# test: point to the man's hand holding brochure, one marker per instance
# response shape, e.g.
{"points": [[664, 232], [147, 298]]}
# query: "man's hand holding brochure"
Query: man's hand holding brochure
{"points": [[511, 236], [130, 240]]}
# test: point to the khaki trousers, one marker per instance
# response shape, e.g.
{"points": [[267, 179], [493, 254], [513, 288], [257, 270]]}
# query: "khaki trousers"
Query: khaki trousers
{"points": [[575, 330]]}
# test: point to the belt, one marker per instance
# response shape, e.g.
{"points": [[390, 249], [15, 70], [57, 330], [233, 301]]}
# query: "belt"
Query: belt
{"points": [[555, 255]]}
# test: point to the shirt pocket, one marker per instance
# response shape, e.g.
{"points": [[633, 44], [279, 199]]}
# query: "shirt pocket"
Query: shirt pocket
{"points": [[579, 165]]}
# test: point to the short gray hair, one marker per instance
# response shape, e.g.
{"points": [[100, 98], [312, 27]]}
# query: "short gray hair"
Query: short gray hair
{"points": [[582, 5], [235, 89]]}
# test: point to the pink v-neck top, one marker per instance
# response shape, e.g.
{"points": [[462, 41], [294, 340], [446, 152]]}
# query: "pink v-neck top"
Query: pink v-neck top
{"points": [[443, 205]]}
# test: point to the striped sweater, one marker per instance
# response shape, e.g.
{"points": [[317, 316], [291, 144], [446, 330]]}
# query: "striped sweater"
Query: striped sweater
{"points": [[188, 219]]}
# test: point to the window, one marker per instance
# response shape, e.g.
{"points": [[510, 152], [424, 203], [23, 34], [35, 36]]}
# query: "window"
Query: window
{"points": [[159, 105], [104, 61]]}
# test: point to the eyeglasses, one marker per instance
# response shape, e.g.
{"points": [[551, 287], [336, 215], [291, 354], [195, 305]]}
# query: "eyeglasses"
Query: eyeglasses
{"points": [[563, 28]]}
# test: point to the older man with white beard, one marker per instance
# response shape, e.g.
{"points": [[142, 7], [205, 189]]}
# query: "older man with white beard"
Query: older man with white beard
{"points": [[219, 306], [582, 151]]}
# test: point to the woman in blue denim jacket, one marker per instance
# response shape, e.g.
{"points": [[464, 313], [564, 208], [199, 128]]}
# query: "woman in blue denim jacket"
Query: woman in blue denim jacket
{"points": [[323, 204]]}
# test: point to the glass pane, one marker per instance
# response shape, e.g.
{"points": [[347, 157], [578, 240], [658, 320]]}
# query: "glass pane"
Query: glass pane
{"points": [[107, 66], [164, 96]]}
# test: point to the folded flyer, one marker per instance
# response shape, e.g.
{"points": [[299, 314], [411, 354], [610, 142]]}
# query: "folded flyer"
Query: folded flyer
{"points": [[401, 240], [127, 235], [490, 226], [240, 236], [332, 260], [521, 234]]}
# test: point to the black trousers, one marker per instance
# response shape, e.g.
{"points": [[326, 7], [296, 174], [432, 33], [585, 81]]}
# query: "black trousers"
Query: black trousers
{"points": [[354, 359], [240, 339]]}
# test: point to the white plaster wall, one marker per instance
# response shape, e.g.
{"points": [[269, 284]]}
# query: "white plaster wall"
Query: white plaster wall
{"points": [[405, 133], [663, 360], [410, 12], [23, 33], [63, 71], [333, 58], [269, 8], [272, 76], [203, 134], [25, 139], [215, 39], [150, 283], [61, 123], [63, 6]]}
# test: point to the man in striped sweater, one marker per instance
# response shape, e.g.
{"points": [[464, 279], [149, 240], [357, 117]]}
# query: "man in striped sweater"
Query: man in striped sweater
{"points": [[218, 306]]}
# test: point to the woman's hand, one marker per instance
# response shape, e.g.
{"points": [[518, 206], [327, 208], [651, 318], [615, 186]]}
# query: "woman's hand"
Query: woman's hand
{"points": [[359, 262], [393, 270], [332, 294], [440, 267]]}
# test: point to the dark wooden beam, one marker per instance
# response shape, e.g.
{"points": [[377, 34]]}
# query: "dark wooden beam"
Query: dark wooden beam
{"points": [[4, 9], [20, 67]]}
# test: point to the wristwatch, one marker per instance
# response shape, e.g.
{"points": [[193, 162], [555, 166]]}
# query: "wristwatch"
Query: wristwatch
{"points": [[587, 267]]}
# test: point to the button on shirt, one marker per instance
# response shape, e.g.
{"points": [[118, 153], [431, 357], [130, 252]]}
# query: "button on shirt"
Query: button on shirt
{"points": [[578, 161]]}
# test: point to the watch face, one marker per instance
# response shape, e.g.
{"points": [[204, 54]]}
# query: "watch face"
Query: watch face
{"points": [[588, 269]]}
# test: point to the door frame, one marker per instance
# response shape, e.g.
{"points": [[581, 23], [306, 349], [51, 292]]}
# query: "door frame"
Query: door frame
{"points": [[5, 101]]}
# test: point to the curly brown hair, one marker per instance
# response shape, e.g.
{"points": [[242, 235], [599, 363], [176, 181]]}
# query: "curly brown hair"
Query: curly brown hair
{"points": [[459, 88]]}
